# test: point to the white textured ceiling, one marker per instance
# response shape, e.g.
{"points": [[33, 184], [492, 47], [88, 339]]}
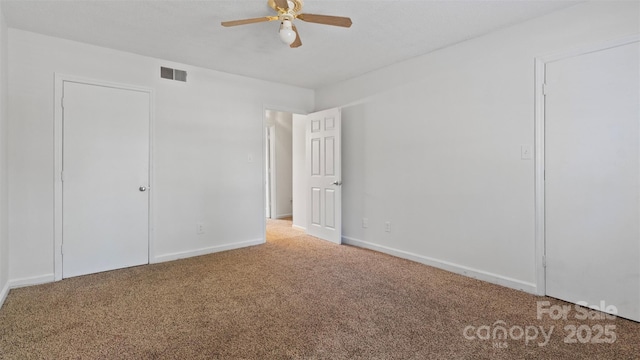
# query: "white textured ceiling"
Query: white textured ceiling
{"points": [[187, 31]]}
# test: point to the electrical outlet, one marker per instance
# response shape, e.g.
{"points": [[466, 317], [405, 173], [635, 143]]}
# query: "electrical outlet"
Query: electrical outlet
{"points": [[387, 226], [199, 228], [365, 223]]}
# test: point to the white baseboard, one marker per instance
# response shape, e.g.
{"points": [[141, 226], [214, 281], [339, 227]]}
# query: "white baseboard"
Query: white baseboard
{"points": [[299, 227], [205, 251], [280, 216], [33, 280], [17, 283], [3, 293], [445, 265]]}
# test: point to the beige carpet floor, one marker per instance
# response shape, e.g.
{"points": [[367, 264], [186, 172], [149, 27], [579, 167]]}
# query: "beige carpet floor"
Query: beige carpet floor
{"points": [[295, 297]]}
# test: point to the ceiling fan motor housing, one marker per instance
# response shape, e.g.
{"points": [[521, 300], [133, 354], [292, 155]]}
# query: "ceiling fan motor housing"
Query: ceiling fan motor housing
{"points": [[295, 7]]}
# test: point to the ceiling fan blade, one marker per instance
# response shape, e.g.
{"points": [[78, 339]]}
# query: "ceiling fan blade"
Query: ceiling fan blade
{"points": [[248, 21], [282, 4], [297, 42], [326, 19]]}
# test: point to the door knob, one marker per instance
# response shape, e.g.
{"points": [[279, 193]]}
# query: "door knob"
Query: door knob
{"points": [[336, 183], [142, 188]]}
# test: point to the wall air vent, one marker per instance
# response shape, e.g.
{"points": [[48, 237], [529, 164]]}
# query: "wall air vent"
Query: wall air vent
{"points": [[173, 74], [180, 75]]}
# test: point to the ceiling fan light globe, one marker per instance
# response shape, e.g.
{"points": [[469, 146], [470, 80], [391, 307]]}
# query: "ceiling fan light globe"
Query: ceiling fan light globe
{"points": [[287, 35]]}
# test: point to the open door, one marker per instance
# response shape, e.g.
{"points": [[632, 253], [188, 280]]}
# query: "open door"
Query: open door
{"points": [[324, 192]]}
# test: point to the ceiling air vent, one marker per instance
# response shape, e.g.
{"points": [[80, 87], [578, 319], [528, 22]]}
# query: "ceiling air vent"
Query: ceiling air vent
{"points": [[173, 74]]}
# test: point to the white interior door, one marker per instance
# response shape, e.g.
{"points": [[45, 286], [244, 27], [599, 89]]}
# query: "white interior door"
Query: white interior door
{"points": [[592, 172], [324, 206], [105, 159]]}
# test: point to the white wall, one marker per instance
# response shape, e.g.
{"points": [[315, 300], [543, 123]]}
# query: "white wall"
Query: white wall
{"points": [[433, 145], [298, 168], [4, 240], [205, 131], [284, 185]]}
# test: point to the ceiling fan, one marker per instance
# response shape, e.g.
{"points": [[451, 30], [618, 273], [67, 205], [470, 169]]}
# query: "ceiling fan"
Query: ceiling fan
{"points": [[289, 10]]}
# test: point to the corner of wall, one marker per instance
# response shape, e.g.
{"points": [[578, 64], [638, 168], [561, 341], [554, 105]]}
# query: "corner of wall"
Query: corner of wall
{"points": [[4, 241]]}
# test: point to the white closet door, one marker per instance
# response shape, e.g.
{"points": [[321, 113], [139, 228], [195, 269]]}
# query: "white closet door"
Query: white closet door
{"points": [[105, 178], [592, 182]]}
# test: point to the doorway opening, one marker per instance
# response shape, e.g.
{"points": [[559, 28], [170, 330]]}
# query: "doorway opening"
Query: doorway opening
{"points": [[284, 164]]}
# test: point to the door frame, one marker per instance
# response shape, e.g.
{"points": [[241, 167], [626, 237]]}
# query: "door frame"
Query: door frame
{"points": [[539, 153], [59, 80], [270, 165]]}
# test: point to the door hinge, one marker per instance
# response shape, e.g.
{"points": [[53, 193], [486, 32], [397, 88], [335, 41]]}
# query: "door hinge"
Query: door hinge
{"points": [[62, 177], [544, 89], [544, 261], [62, 249], [62, 102]]}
